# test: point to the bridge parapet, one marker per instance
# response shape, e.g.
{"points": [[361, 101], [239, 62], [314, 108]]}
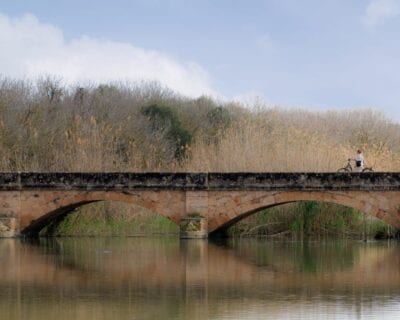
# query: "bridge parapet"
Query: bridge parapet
{"points": [[296, 181], [302, 181]]}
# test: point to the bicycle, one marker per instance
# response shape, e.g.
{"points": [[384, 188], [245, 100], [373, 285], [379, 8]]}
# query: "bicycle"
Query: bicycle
{"points": [[349, 168]]}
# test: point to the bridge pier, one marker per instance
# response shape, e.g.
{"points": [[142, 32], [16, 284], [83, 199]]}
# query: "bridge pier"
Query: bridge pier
{"points": [[193, 227], [8, 227]]}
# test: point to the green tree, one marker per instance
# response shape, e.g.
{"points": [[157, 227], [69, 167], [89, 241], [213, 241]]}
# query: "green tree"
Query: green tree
{"points": [[164, 118]]}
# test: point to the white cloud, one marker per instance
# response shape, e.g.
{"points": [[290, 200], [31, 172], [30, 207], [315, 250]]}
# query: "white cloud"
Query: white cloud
{"points": [[30, 49], [378, 11], [252, 100]]}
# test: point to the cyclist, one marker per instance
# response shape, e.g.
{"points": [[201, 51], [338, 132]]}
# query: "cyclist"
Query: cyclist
{"points": [[359, 160]]}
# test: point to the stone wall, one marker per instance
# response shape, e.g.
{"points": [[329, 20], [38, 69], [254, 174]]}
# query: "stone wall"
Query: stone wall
{"points": [[200, 181]]}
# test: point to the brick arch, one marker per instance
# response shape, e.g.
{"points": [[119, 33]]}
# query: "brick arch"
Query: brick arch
{"points": [[222, 208], [231, 207], [39, 209]]}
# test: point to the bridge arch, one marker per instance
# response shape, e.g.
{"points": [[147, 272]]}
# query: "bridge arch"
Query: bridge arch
{"points": [[52, 205], [235, 206], [222, 208]]}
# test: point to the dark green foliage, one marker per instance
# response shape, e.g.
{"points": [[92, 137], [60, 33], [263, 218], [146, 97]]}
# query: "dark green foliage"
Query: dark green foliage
{"points": [[182, 139], [219, 118], [311, 219], [308, 214], [160, 115], [165, 118]]}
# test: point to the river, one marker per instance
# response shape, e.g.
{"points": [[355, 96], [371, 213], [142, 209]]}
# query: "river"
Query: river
{"points": [[164, 278]]}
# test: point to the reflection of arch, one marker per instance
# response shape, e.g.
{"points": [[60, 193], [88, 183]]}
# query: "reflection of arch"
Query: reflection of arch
{"points": [[52, 205], [236, 205]]}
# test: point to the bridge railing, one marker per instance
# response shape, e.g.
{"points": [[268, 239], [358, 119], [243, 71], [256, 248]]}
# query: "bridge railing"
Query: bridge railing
{"points": [[200, 181]]}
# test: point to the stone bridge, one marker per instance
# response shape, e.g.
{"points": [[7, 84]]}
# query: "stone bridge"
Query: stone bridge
{"points": [[29, 201]]}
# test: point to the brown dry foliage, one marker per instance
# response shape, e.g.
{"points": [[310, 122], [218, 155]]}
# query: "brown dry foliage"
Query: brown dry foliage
{"points": [[45, 126]]}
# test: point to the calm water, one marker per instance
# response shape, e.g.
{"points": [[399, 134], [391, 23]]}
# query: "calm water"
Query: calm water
{"points": [[140, 278]]}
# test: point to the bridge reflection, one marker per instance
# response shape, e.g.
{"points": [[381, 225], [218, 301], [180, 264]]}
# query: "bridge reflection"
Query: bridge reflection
{"points": [[168, 262], [143, 271]]}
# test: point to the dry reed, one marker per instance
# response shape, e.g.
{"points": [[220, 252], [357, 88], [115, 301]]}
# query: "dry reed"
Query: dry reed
{"points": [[45, 126]]}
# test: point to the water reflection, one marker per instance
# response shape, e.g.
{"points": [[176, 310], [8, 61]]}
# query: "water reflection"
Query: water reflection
{"points": [[142, 278]]}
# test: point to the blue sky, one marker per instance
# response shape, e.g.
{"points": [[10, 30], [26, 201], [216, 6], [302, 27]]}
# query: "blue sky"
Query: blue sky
{"points": [[330, 54]]}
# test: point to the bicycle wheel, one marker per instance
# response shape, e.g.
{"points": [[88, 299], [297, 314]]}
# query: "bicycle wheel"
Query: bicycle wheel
{"points": [[368, 170], [343, 170]]}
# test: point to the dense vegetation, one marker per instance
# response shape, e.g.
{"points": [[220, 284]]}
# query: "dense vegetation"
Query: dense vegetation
{"points": [[46, 126], [310, 219]]}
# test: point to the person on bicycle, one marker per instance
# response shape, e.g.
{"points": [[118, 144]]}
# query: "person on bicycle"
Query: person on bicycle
{"points": [[359, 160]]}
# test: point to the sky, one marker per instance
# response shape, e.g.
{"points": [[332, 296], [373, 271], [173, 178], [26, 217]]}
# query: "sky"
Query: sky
{"points": [[312, 54]]}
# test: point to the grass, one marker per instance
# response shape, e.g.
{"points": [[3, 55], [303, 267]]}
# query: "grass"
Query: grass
{"points": [[311, 219], [307, 219], [97, 220]]}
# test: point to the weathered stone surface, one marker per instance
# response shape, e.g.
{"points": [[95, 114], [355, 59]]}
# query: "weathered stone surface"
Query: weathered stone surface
{"points": [[200, 181], [7, 227], [304, 181], [193, 227]]}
